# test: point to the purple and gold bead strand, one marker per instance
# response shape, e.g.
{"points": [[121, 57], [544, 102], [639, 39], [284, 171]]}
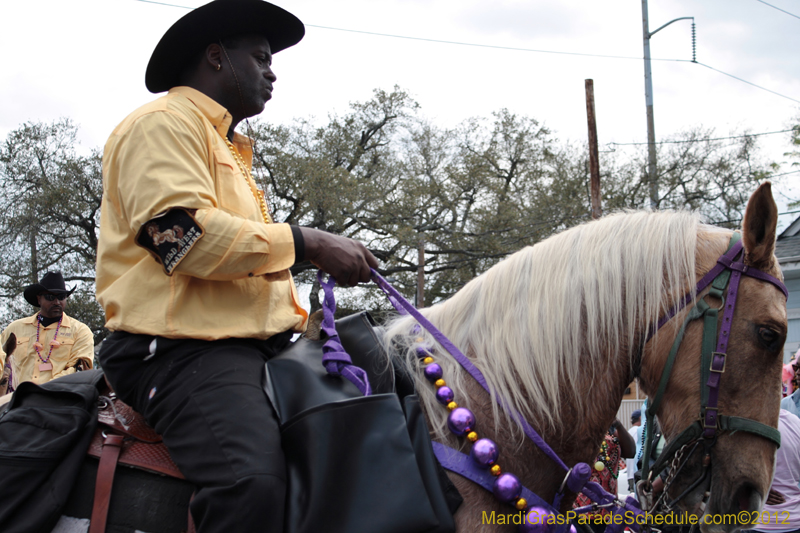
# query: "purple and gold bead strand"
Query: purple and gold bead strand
{"points": [[461, 422]]}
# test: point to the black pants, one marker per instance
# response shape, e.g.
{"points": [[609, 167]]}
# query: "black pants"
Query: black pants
{"points": [[207, 401]]}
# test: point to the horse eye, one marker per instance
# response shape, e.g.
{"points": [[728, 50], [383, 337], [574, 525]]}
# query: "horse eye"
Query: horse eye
{"points": [[767, 336]]}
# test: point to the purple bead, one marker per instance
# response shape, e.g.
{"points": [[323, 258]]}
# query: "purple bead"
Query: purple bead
{"points": [[423, 352], [507, 487], [461, 421], [416, 329], [433, 372], [445, 395], [484, 453], [536, 521]]}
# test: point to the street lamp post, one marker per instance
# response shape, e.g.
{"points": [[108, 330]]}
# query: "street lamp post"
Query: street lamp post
{"points": [[648, 96]]}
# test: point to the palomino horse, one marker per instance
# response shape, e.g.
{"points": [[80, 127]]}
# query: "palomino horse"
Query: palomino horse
{"points": [[561, 328]]}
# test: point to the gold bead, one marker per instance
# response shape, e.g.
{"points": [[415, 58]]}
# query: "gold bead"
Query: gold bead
{"points": [[452, 405], [439, 383], [521, 504], [496, 470], [428, 360], [419, 339], [472, 436]]}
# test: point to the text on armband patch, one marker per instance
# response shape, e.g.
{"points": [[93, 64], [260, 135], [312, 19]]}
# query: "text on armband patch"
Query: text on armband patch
{"points": [[169, 236]]}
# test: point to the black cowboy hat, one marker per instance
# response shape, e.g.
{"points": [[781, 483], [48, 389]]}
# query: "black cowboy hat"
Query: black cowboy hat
{"points": [[52, 282], [210, 23]]}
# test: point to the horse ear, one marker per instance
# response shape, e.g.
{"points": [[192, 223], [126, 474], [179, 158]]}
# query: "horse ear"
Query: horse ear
{"points": [[759, 227], [10, 345]]}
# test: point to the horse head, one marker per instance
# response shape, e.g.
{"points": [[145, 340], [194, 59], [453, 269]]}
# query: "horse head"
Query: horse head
{"points": [[729, 472]]}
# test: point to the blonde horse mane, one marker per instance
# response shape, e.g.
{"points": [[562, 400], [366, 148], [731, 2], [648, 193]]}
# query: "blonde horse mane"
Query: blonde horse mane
{"points": [[567, 305]]}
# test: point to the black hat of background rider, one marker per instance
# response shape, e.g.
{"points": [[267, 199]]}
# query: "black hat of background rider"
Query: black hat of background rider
{"points": [[210, 23], [52, 282]]}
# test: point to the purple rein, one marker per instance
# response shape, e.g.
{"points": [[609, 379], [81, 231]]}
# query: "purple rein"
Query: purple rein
{"points": [[337, 362]]}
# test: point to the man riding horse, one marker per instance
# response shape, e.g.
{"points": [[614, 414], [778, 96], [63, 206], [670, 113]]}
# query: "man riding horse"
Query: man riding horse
{"points": [[49, 344], [195, 317]]}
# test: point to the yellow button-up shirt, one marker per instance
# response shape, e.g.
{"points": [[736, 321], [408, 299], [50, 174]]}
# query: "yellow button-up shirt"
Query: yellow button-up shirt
{"points": [[76, 342], [234, 281]]}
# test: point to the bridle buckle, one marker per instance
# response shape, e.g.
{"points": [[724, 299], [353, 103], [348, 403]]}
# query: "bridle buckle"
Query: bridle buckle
{"points": [[724, 362], [704, 417]]}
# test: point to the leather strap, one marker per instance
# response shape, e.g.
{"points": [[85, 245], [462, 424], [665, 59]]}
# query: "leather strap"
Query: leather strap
{"points": [[112, 446], [190, 521]]}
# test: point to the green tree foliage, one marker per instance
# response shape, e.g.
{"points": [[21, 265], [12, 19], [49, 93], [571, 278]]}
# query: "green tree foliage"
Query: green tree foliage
{"points": [[471, 195], [714, 177], [50, 214]]}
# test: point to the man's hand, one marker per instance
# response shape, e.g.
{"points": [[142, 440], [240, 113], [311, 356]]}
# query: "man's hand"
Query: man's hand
{"points": [[774, 497], [348, 261]]}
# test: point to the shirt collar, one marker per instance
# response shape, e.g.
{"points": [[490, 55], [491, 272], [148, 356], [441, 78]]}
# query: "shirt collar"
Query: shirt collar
{"points": [[219, 118], [215, 113], [65, 321]]}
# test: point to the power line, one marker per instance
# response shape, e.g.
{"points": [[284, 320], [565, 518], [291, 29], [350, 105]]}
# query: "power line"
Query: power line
{"points": [[750, 83], [706, 139], [784, 174], [516, 49], [460, 43], [497, 47], [164, 4], [779, 9]]}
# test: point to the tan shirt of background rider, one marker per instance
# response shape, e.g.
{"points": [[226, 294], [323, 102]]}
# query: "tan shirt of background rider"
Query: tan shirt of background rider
{"points": [[42, 361]]}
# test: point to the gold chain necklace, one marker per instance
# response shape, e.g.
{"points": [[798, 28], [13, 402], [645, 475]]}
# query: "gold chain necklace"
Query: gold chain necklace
{"points": [[258, 194]]}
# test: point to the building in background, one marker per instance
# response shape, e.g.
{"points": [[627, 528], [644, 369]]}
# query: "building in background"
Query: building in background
{"points": [[787, 250]]}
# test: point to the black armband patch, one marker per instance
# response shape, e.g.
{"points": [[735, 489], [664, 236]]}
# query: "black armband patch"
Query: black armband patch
{"points": [[169, 236]]}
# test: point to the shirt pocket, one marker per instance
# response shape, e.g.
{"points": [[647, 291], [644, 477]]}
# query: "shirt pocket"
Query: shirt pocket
{"points": [[233, 190], [22, 346], [63, 352], [20, 353]]}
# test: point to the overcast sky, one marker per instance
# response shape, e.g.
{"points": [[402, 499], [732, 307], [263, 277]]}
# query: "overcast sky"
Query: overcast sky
{"points": [[85, 59]]}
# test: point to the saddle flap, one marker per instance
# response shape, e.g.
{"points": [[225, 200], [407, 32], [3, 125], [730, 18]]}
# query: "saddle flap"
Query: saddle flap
{"points": [[142, 447]]}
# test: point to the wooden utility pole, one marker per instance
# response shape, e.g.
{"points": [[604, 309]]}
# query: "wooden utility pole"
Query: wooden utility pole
{"points": [[594, 159], [421, 273]]}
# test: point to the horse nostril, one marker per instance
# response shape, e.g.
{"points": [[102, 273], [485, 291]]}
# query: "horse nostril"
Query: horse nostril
{"points": [[747, 497]]}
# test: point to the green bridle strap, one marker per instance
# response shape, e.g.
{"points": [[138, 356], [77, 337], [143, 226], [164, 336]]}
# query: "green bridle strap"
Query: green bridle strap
{"points": [[737, 423], [710, 321], [695, 313], [695, 430]]}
